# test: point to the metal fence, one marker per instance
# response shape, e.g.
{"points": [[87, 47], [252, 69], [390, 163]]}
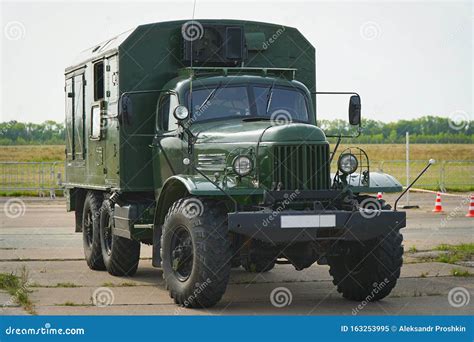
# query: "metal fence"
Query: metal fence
{"points": [[443, 175], [47, 177], [31, 177]]}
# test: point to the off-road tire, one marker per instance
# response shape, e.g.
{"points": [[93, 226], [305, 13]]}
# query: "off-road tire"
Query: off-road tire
{"points": [[211, 252], [121, 255], [91, 231], [253, 264], [369, 271]]}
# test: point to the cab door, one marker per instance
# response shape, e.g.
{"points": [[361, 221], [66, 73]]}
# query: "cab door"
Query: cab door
{"points": [[167, 147]]}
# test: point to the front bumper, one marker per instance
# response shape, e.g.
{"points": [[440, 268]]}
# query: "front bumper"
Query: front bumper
{"points": [[301, 226]]}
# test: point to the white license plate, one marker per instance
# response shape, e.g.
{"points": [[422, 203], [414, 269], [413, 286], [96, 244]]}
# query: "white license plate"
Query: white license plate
{"points": [[308, 221]]}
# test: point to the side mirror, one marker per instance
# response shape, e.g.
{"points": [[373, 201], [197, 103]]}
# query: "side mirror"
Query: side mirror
{"points": [[181, 113], [125, 109], [354, 110]]}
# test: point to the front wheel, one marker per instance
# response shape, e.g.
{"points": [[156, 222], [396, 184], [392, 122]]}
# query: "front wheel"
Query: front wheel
{"points": [[368, 271], [196, 252], [121, 255]]}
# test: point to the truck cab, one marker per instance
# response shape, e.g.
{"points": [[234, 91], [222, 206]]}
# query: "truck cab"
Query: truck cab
{"points": [[207, 147]]}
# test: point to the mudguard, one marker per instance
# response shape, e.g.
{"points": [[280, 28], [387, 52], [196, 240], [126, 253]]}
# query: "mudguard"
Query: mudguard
{"points": [[200, 186]]}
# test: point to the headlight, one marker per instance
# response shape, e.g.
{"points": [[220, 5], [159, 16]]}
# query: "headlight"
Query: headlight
{"points": [[242, 165], [347, 163], [181, 112]]}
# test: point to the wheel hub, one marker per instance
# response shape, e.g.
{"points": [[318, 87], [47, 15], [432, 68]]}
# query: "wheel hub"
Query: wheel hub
{"points": [[181, 254]]}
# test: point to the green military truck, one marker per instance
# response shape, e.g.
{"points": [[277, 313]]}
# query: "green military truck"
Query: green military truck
{"points": [[201, 139]]}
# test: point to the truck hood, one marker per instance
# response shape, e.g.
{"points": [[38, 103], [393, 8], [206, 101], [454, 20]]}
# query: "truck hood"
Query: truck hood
{"points": [[238, 131]]}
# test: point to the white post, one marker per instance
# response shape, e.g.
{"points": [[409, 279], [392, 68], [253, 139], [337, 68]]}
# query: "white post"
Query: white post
{"points": [[408, 165]]}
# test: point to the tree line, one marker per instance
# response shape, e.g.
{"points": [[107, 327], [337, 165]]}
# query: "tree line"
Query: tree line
{"points": [[427, 129], [19, 133]]}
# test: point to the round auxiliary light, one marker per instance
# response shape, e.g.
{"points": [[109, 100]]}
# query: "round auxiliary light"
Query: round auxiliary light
{"points": [[181, 112], [347, 163], [242, 165]]}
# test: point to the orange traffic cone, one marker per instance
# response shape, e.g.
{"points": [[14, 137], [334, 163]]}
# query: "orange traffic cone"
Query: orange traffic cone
{"points": [[379, 196], [470, 213], [438, 206]]}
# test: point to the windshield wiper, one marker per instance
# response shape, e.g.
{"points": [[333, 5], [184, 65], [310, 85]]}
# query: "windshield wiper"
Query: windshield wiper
{"points": [[256, 118], [269, 97], [209, 97]]}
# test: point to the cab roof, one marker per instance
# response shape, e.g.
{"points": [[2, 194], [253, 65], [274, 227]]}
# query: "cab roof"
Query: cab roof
{"points": [[183, 83], [111, 46]]}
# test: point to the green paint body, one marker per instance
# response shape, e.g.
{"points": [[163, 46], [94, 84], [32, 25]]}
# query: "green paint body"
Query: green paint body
{"points": [[130, 155]]}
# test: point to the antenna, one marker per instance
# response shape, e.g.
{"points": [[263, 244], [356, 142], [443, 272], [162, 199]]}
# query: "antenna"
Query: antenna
{"points": [[191, 65]]}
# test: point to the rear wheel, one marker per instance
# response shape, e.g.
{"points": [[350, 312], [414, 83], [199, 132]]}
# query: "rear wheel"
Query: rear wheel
{"points": [[196, 252], [91, 231], [370, 271], [121, 255]]}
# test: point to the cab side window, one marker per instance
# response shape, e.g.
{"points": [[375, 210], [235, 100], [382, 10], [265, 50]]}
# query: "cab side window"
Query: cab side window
{"points": [[165, 118]]}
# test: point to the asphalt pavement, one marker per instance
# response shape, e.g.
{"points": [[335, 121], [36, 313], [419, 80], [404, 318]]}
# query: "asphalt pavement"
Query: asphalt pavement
{"points": [[38, 236]]}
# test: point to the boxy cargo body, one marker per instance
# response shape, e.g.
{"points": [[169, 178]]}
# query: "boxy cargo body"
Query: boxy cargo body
{"points": [[201, 139], [101, 153]]}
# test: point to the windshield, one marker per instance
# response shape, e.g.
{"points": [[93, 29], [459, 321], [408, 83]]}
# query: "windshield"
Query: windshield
{"points": [[258, 102]]}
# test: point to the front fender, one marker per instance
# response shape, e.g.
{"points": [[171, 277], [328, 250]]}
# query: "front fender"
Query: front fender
{"points": [[198, 185], [179, 186]]}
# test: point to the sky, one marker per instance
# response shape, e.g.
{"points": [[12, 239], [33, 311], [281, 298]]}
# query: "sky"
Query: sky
{"points": [[406, 59]]}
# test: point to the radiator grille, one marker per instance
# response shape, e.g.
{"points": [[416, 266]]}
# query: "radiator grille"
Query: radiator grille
{"points": [[304, 167]]}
